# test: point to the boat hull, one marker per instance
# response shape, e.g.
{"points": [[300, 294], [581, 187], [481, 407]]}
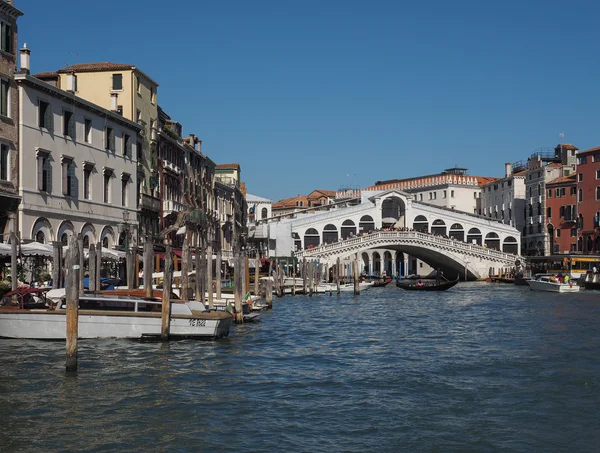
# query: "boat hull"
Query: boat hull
{"points": [[552, 287], [427, 287], [51, 325]]}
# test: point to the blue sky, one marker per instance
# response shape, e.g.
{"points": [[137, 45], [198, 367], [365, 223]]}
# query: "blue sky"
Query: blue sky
{"points": [[303, 94]]}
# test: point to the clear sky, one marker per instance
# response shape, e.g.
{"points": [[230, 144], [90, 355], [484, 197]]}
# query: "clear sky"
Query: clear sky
{"points": [[319, 94]]}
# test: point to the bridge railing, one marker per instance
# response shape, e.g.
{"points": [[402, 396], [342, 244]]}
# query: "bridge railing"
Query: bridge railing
{"points": [[417, 235]]}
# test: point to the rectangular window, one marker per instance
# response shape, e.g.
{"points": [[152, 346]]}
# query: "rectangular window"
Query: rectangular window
{"points": [[6, 38], [126, 145], [120, 110], [139, 85], [582, 160], [563, 191], [117, 82], [45, 118], [4, 94], [549, 212], [44, 173], [138, 115], [580, 197], [107, 178], [452, 194], [597, 174], [87, 182], [573, 232], [4, 163], [138, 150], [558, 232], [444, 194], [69, 124], [580, 177], [124, 182], [549, 193], [88, 130], [561, 211], [420, 197], [573, 190], [109, 138], [153, 95], [69, 182]]}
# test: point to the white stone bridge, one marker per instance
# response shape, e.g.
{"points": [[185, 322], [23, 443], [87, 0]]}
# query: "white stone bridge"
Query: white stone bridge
{"points": [[453, 257], [452, 240]]}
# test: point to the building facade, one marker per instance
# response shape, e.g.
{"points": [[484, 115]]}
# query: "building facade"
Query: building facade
{"points": [[78, 168], [543, 166], [9, 119], [561, 214], [125, 89], [588, 201]]}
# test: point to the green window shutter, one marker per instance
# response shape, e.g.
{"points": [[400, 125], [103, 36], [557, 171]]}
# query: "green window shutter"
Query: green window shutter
{"points": [[48, 174], [72, 180], [4, 98], [48, 118], [111, 139], [71, 126]]}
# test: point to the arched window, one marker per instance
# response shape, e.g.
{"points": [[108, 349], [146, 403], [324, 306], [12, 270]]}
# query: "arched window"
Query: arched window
{"points": [[438, 227], [366, 224], [86, 242], [105, 242], [510, 245], [492, 241], [64, 239], [457, 232], [311, 238], [39, 237], [264, 213], [474, 236], [348, 229], [297, 241], [330, 234], [421, 224]]}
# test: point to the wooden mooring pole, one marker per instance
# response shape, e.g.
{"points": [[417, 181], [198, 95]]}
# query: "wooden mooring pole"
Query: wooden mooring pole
{"points": [[98, 264], [304, 276], [185, 271], [256, 272], [310, 278], [72, 296], [218, 274], [80, 262], [92, 269], [199, 294], [209, 275], [356, 278], [166, 294], [237, 278], [337, 275], [148, 259], [56, 265]]}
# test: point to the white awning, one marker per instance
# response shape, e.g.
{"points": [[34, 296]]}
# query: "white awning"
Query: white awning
{"points": [[181, 230]]}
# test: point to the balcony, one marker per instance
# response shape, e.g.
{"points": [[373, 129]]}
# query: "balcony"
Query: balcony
{"points": [[226, 180], [170, 206], [150, 203]]}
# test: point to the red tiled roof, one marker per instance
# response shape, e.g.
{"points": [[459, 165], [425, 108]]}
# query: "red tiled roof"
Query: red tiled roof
{"points": [[93, 67], [227, 167], [553, 165], [288, 202], [589, 151], [46, 75], [570, 179], [566, 146]]}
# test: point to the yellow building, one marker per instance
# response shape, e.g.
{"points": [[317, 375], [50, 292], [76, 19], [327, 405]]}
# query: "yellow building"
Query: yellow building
{"points": [[125, 89]]}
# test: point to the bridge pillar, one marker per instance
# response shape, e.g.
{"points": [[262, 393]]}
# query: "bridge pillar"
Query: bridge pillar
{"points": [[405, 265], [370, 264], [394, 259]]}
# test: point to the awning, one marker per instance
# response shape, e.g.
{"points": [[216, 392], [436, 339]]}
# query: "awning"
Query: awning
{"points": [[181, 230]]}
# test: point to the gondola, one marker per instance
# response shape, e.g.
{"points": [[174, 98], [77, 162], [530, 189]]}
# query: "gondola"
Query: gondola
{"points": [[381, 283], [413, 286]]}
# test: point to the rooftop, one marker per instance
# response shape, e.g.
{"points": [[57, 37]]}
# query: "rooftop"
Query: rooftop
{"points": [[570, 179], [101, 67], [227, 167]]}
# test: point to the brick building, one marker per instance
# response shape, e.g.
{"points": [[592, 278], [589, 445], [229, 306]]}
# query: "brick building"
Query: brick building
{"points": [[561, 214], [588, 200]]}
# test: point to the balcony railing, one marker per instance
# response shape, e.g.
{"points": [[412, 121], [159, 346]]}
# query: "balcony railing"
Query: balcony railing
{"points": [[170, 205], [149, 202]]}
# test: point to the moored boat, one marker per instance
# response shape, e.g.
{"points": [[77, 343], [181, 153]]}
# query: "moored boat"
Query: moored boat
{"points": [[551, 283], [419, 285], [381, 282], [102, 316]]}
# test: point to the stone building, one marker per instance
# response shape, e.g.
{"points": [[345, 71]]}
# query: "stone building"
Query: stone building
{"points": [[9, 119], [78, 167]]}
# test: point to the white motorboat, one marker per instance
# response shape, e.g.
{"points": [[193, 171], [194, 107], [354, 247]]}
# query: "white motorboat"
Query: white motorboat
{"points": [[103, 316], [550, 283]]}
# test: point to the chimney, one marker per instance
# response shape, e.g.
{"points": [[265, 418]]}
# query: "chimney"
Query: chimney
{"points": [[25, 59], [507, 169], [71, 82], [114, 101]]}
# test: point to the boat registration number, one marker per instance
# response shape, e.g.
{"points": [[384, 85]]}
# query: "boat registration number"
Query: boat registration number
{"points": [[198, 322]]}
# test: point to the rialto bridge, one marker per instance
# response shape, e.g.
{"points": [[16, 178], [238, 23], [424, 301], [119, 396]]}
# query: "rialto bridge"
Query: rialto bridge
{"points": [[388, 231]]}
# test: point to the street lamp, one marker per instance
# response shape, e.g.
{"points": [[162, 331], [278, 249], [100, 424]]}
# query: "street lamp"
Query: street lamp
{"points": [[125, 229]]}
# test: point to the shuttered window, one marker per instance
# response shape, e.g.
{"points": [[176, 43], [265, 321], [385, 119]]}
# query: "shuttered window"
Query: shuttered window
{"points": [[4, 93], [44, 173], [126, 145], [109, 138], [117, 82], [6, 37], [45, 116], [69, 180], [124, 182], [108, 173], [69, 124], [4, 162]]}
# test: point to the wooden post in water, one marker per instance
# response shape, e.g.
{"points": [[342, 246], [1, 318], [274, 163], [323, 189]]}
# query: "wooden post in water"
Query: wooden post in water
{"points": [[56, 264], [337, 275], [166, 294], [92, 269], [185, 262], [246, 275], [256, 272], [209, 275], [148, 259], [98, 264], [269, 293], [132, 277], [237, 278], [310, 273], [356, 279], [304, 276], [14, 275], [80, 262], [72, 295], [293, 276], [136, 274], [199, 296], [203, 260], [218, 274]]}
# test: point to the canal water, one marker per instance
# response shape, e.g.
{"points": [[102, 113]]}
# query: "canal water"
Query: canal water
{"points": [[481, 367]]}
